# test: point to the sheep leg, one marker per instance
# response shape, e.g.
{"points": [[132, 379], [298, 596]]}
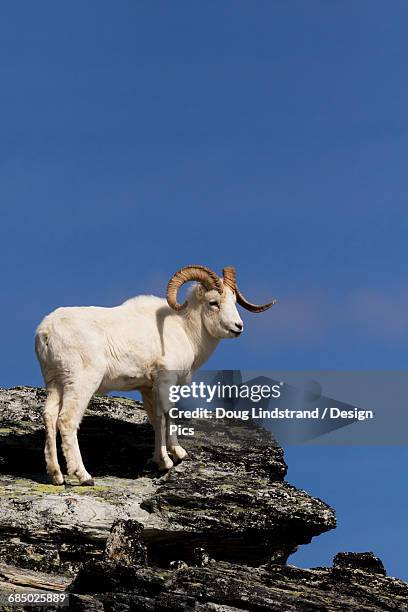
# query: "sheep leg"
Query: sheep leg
{"points": [[160, 456], [74, 404], [162, 406], [148, 405], [173, 445], [50, 416], [81, 473]]}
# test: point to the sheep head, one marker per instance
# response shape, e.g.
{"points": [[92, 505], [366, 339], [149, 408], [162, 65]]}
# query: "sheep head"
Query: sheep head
{"points": [[217, 299]]}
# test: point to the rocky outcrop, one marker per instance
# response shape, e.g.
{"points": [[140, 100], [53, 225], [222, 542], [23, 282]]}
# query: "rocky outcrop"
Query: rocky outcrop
{"points": [[220, 585], [214, 533]]}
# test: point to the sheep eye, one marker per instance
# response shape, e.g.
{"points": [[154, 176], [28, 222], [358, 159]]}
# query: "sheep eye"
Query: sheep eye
{"points": [[214, 303]]}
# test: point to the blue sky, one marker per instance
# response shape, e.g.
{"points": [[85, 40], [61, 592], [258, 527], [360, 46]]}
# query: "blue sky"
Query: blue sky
{"points": [[138, 137]]}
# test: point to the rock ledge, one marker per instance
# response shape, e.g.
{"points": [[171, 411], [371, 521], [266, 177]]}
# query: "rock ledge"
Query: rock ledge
{"points": [[214, 533]]}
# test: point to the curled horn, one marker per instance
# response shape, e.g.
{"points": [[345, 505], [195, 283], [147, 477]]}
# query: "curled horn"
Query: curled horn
{"points": [[202, 274], [229, 278]]}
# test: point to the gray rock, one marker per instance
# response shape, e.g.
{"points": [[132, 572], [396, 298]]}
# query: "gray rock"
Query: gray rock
{"points": [[229, 497], [125, 543], [201, 557], [366, 562], [214, 533], [224, 585], [175, 565]]}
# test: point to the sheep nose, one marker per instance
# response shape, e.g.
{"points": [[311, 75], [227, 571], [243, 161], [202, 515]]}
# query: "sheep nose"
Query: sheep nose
{"points": [[239, 326]]}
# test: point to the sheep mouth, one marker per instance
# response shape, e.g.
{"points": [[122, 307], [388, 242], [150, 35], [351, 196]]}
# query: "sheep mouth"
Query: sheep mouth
{"points": [[236, 333]]}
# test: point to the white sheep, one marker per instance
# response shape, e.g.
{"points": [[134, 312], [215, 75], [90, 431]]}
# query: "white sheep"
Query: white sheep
{"points": [[146, 344]]}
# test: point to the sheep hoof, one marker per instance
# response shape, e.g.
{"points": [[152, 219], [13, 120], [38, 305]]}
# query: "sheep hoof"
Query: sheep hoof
{"points": [[164, 464], [57, 479], [178, 453], [88, 483]]}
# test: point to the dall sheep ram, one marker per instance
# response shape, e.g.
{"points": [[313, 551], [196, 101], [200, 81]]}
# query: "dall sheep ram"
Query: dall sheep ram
{"points": [[145, 344]]}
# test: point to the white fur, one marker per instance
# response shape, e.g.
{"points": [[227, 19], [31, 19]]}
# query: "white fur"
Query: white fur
{"points": [[142, 344]]}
